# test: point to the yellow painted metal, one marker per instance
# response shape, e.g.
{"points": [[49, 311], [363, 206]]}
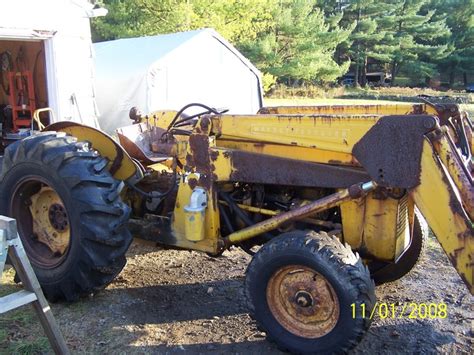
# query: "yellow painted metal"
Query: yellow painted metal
{"points": [[194, 225], [103, 143], [463, 182], [352, 213], [222, 164], [380, 229], [376, 226], [382, 109], [273, 213], [253, 209], [326, 133], [439, 202], [159, 119], [194, 214], [41, 202], [468, 129], [304, 211], [211, 219], [166, 166]]}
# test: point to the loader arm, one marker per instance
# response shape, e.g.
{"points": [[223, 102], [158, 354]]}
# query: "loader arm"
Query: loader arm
{"points": [[439, 200]]}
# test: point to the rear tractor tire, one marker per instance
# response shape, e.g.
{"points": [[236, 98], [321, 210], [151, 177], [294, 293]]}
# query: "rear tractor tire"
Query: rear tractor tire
{"points": [[308, 292], [70, 218]]}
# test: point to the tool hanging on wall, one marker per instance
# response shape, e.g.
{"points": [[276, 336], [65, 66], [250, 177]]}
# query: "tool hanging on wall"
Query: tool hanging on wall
{"points": [[20, 90], [21, 98], [6, 65]]}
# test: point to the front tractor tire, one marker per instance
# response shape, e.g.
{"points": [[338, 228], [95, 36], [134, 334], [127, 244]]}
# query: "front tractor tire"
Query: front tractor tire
{"points": [[305, 289], [70, 218]]}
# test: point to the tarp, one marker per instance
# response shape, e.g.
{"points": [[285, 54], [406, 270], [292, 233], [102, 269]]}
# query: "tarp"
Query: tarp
{"points": [[166, 72]]}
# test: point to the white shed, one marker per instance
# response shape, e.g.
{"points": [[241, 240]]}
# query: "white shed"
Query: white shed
{"points": [[47, 46], [170, 71]]}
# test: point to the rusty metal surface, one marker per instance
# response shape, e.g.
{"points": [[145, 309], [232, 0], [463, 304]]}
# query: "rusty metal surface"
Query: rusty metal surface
{"points": [[460, 174], [441, 205], [391, 150], [267, 225], [340, 109], [266, 169], [50, 220], [446, 111], [31, 202], [450, 115], [199, 157], [137, 141], [272, 213], [157, 229], [303, 301]]}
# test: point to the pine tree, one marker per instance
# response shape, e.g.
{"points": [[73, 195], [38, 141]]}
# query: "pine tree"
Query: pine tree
{"points": [[460, 19], [299, 46], [416, 37], [368, 40]]}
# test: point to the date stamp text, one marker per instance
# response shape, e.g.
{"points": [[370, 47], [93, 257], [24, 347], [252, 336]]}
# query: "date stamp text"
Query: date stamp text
{"points": [[410, 310]]}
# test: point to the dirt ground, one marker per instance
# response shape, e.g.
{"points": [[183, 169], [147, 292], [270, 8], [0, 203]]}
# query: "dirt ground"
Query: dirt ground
{"points": [[168, 301]]}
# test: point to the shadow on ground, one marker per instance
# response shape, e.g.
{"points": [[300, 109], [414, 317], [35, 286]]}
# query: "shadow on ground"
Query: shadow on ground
{"points": [[212, 317]]}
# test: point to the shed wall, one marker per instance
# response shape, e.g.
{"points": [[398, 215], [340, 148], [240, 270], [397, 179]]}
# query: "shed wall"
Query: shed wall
{"points": [[65, 29]]}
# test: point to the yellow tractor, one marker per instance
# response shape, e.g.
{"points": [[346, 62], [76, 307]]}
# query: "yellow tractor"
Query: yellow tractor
{"points": [[329, 200]]}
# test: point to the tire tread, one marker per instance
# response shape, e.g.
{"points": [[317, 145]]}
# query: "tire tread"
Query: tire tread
{"points": [[333, 252], [99, 261]]}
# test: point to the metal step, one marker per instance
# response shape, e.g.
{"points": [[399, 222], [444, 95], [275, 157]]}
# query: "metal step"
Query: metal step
{"points": [[16, 300]]}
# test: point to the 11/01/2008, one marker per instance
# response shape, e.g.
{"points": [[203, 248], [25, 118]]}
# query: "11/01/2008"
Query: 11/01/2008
{"points": [[410, 310]]}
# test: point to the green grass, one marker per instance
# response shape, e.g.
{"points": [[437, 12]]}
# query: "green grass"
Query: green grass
{"points": [[20, 329], [38, 345], [396, 93], [386, 92], [308, 101]]}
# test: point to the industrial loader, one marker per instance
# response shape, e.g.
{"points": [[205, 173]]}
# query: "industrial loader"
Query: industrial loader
{"points": [[329, 201]]}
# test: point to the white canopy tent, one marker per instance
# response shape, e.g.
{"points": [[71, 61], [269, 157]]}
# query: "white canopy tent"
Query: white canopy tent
{"points": [[169, 71]]}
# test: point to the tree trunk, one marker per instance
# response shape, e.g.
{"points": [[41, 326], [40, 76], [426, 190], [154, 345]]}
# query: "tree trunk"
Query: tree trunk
{"points": [[363, 76], [357, 73], [464, 77], [357, 70], [393, 72], [451, 76]]}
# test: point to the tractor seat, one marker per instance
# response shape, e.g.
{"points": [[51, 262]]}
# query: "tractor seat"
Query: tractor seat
{"points": [[136, 140]]}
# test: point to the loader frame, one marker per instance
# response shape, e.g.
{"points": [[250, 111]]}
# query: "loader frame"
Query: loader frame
{"points": [[379, 162]]}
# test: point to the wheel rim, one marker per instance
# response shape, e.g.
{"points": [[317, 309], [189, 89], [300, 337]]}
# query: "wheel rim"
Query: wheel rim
{"points": [[43, 222], [303, 301]]}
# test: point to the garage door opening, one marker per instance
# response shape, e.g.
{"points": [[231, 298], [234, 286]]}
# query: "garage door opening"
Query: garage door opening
{"points": [[23, 86]]}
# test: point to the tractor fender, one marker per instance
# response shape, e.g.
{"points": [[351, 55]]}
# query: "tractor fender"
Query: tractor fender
{"points": [[121, 165]]}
